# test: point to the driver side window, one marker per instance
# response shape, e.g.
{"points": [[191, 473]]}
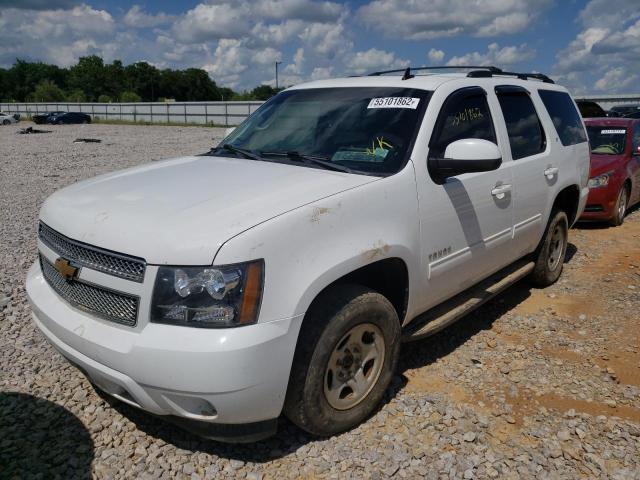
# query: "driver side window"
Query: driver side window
{"points": [[464, 114], [636, 139]]}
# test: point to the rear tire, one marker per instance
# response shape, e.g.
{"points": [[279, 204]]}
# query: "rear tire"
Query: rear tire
{"points": [[621, 208], [6, 122], [346, 356], [549, 256]]}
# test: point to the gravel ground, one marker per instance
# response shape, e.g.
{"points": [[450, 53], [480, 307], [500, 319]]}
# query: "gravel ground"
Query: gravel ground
{"points": [[536, 384]]}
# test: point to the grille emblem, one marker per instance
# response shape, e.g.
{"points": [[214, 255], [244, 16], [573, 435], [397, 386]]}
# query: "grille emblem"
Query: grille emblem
{"points": [[64, 267]]}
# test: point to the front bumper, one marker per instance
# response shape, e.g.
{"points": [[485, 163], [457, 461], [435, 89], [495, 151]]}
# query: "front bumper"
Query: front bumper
{"points": [[220, 376], [601, 203]]}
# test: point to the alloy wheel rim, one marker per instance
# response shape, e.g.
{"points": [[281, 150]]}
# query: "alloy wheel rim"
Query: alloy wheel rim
{"points": [[622, 206], [354, 366], [556, 247]]}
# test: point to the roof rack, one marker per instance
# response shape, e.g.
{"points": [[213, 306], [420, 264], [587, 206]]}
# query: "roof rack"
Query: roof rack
{"points": [[476, 72], [444, 67]]}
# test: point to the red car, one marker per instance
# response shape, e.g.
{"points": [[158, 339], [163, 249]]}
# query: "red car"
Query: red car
{"points": [[614, 181]]}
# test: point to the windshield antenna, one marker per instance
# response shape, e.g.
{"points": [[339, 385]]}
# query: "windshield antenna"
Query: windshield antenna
{"points": [[407, 74]]}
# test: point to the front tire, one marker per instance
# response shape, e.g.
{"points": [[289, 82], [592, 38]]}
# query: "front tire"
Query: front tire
{"points": [[549, 256], [346, 356], [6, 122], [621, 208]]}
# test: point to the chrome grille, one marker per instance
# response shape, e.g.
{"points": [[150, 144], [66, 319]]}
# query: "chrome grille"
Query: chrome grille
{"points": [[131, 268], [113, 306]]}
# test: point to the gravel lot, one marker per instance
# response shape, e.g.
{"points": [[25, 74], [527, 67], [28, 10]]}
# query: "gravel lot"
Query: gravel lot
{"points": [[536, 384]]}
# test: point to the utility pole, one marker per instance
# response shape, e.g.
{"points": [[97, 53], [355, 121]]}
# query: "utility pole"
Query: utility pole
{"points": [[277, 63]]}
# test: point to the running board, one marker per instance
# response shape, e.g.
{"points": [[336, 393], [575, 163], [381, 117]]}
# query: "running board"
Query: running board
{"points": [[450, 311]]}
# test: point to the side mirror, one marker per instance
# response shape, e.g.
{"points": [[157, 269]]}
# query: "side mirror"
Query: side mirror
{"points": [[465, 156], [228, 131]]}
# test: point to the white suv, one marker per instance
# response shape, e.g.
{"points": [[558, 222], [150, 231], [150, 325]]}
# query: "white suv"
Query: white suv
{"points": [[281, 271]]}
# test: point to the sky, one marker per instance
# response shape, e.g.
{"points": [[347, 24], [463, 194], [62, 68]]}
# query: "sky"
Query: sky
{"points": [[590, 46]]}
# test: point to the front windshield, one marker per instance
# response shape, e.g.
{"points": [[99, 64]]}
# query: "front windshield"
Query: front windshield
{"points": [[368, 130], [606, 140]]}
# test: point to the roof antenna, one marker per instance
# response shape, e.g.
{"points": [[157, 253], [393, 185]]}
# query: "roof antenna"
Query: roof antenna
{"points": [[407, 74]]}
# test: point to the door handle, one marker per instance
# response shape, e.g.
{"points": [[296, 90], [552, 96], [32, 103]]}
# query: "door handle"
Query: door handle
{"points": [[551, 172], [500, 191]]}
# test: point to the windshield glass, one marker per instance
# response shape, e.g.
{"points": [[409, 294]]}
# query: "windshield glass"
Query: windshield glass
{"points": [[369, 130], [607, 140]]}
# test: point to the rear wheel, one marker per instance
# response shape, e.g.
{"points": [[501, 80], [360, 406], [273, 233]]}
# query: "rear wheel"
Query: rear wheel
{"points": [[549, 256], [347, 353], [6, 122], [621, 207]]}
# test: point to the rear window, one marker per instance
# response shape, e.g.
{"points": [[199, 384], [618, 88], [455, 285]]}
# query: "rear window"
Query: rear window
{"points": [[565, 117], [607, 140]]}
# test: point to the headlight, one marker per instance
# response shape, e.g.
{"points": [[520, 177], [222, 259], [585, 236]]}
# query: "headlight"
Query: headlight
{"points": [[600, 180], [208, 297]]}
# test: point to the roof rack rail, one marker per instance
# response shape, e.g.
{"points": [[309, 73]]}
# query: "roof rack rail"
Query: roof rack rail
{"points": [[443, 67], [484, 71], [522, 76]]}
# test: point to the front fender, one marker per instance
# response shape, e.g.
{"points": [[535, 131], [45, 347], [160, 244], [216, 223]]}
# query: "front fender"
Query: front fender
{"points": [[308, 248]]}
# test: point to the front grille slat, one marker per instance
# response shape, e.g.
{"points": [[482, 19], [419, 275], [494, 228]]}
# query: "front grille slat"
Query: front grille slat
{"points": [[114, 306], [118, 265]]}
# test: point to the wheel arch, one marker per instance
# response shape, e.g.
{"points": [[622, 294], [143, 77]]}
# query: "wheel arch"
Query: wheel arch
{"points": [[568, 200], [389, 277]]}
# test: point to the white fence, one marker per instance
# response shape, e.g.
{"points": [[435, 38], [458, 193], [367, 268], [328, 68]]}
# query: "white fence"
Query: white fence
{"points": [[206, 113]]}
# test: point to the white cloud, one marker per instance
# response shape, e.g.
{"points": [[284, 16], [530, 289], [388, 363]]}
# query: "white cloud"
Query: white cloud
{"points": [[136, 17], [298, 9], [605, 55], [427, 19], [212, 22], [55, 36], [374, 59], [618, 76], [496, 56], [435, 55], [608, 14], [321, 73], [327, 39], [296, 66]]}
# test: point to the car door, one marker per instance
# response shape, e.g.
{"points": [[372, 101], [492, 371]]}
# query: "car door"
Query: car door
{"points": [[634, 163], [534, 170], [466, 223]]}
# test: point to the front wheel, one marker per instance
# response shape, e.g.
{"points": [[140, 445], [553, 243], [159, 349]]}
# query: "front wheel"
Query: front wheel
{"points": [[6, 122], [621, 208], [549, 256], [346, 356]]}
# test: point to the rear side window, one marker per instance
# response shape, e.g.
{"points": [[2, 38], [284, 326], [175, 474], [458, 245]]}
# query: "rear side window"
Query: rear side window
{"points": [[636, 139], [464, 114], [565, 117], [526, 136]]}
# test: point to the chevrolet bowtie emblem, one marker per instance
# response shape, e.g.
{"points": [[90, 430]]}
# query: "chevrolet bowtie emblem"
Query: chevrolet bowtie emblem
{"points": [[64, 267]]}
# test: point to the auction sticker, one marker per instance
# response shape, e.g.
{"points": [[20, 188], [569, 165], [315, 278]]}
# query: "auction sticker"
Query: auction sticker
{"points": [[394, 102], [612, 132]]}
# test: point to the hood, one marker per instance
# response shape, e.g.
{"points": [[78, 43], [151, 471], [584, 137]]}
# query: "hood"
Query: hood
{"points": [[181, 211], [604, 163]]}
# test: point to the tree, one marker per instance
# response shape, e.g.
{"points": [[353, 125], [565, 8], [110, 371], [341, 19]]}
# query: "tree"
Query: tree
{"points": [[76, 95], [130, 97], [23, 77], [263, 92], [89, 76], [47, 91], [104, 99], [143, 79]]}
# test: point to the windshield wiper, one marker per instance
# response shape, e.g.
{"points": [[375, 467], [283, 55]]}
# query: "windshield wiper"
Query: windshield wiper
{"points": [[242, 151], [315, 159]]}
